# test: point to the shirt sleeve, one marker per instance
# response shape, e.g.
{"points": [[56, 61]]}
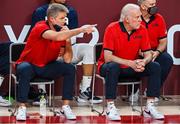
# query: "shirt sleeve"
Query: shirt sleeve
{"points": [[63, 43], [39, 29], [108, 43], [145, 42], [162, 28]]}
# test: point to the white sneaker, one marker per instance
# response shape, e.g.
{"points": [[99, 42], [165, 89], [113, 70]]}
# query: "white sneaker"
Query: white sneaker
{"points": [[4, 102], [82, 102], [151, 111], [156, 99], [66, 110], [112, 113], [21, 113], [134, 97]]}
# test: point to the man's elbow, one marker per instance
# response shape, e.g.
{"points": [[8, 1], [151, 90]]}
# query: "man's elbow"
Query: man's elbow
{"points": [[67, 58]]}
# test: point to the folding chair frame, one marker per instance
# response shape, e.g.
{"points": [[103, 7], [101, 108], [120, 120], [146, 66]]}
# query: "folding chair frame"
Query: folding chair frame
{"points": [[97, 52], [12, 60]]}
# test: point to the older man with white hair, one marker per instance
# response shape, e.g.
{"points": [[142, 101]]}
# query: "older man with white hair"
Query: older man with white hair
{"points": [[122, 42]]}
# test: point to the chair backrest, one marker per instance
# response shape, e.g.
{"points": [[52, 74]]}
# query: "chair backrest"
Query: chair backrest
{"points": [[97, 51], [15, 51]]}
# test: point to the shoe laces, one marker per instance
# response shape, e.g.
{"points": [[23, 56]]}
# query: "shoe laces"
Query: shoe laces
{"points": [[153, 108], [21, 111], [88, 92], [113, 109], [68, 110]]}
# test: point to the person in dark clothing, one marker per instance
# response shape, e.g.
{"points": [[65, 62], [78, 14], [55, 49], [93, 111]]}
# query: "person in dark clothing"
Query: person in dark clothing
{"points": [[4, 68]]}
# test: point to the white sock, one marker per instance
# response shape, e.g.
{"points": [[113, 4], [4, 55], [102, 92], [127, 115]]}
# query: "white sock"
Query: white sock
{"points": [[42, 86], [85, 83], [109, 104], [64, 106], [150, 101]]}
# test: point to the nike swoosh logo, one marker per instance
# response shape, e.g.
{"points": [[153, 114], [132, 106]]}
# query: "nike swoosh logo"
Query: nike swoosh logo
{"points": [[62, 112], [147, 112], [107, 113]]}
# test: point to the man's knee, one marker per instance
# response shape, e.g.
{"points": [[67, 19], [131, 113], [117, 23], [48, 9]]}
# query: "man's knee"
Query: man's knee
{"points": [[24, 68], [70, 68], [113, 67], [154, 67], [166, 58]]}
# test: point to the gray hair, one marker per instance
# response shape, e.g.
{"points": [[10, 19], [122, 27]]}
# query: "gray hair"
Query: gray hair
{"points": [[55, 8], [126, 10], [139, 2]]}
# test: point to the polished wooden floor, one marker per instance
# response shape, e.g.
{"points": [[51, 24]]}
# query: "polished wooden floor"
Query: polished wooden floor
{"points": [[171, 110]]}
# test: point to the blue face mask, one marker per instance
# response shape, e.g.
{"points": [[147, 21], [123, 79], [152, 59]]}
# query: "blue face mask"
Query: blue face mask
{"points": [[152, 10]]}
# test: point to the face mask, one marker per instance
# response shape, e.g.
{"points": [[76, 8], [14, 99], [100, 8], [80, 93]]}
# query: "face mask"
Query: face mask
{"points": [[152, 10], [57, 27]]}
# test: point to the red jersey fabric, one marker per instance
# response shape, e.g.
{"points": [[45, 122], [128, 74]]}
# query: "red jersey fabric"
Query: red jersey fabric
{"points": [[156, 29], [122, 44], [39, 51]]}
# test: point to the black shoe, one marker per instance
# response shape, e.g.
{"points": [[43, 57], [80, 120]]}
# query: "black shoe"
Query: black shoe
{"points": [[86, 96], [36, 101]]}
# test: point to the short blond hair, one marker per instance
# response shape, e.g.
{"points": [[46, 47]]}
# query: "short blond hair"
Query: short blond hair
{"points": [[139, 2], [55, 8]]}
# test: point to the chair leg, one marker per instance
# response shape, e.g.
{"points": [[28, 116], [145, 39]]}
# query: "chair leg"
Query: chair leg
{"points": [[92, 105], [15, 108], [53, 103], [50, 95], [9, 109], [163, 97], [132, 103], [141, 98], [76, 88]]}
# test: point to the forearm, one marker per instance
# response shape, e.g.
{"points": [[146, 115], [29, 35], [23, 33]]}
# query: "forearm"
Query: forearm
{"points": [[162, 45], [68, 52], [112, 58], [147, 57], [64, 35]]}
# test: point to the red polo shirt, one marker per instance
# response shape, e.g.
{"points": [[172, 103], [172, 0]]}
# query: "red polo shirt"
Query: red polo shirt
{"points": [[122, 44], [40, 51], [156, 29]]}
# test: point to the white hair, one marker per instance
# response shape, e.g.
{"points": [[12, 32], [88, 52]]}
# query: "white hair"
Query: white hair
{"points": [[127, 9]]}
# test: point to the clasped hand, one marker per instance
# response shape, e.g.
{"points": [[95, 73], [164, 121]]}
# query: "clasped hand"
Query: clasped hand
{"points": [[139, 65]]}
